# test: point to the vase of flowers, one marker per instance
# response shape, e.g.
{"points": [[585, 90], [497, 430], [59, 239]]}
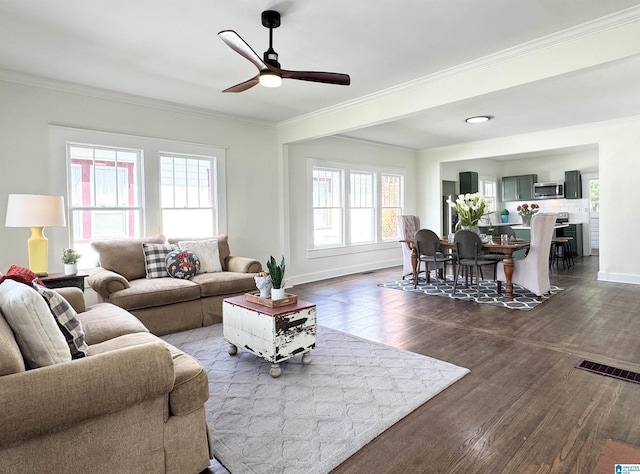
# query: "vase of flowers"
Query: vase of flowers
{"points": [[527, 211], [470, 209]]}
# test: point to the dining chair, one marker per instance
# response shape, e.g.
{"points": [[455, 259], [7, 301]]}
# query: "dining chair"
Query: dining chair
{"points": [[408, 225], [469, 256], [532, 272], [428, 246]]}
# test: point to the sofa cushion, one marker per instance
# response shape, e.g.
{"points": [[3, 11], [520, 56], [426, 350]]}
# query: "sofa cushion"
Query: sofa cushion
{"points": [[145, 293], [191, 387], [124, 256], [223, 246], [11, 361], [182, 263], [104, 321], [224, 283], [155, 259], [67, 319], [207, 251], [40, 340]]}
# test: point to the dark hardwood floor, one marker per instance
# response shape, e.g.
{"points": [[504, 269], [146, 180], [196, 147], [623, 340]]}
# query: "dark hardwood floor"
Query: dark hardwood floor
{"points": [[524, 408]]}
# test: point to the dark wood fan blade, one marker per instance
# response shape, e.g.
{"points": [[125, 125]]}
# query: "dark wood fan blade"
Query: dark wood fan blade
{"points": [[243, 86], [315, 76], [240, 46]]}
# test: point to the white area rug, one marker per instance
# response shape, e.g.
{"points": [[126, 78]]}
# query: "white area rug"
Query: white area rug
{"points": [[313, 417]]}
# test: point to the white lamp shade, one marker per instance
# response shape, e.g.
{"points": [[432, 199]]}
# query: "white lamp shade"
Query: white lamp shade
{"points": [[35, 210]]}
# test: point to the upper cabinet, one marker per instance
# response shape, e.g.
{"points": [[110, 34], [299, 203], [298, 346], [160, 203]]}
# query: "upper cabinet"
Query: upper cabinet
{"points": [[468, 182], [572, 184], [518, 188]]}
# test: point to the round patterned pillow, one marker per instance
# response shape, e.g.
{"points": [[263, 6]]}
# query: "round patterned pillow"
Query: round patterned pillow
{"points": [[182, 264]]}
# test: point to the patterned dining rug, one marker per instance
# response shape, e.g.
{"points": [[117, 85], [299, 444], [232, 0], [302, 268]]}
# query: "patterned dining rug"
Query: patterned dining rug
{"points": [[313, 417], [523, 299]]}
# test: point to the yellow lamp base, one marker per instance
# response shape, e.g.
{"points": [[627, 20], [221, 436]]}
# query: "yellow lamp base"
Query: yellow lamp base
{"points": [[38, 251]]}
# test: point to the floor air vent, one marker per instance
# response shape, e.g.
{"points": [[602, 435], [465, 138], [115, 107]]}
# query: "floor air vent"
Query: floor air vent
{"points": [[609, 371]]}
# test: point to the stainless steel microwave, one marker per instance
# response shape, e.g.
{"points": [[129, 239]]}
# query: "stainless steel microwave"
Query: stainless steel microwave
{"points": [[548, 190]]}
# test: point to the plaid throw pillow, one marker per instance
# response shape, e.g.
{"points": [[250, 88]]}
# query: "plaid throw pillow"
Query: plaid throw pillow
{"points": [[67, 320], [155, 256]]}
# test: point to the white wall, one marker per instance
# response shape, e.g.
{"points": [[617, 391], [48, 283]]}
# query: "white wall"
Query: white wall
{"points": [[27, 167], [305, 269]]}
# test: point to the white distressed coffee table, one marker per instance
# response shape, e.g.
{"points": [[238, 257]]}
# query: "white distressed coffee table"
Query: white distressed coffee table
{"points": [[275, 334]]}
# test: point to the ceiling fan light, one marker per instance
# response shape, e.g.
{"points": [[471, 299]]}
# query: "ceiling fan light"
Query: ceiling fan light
{"points": [[270, 79], [478, 119]]}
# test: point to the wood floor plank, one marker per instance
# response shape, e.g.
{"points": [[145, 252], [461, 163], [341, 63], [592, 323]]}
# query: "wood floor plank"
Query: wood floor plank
{"points": [[524, 407]]}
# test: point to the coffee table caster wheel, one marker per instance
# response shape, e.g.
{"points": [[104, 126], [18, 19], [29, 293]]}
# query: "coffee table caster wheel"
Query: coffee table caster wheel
{"points": [[306, 358], [233, 349], [275, 370]]}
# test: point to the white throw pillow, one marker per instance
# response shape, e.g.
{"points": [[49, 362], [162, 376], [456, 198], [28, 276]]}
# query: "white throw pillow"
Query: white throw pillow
{"points": [[37, 334], [207, 251]]}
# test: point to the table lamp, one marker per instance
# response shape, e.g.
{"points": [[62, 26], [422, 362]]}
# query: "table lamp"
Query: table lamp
{"points": [[37, 212]]}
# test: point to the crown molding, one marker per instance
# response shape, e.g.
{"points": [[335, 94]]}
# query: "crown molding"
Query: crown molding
{"points": [[593, 27], [130, 99]]}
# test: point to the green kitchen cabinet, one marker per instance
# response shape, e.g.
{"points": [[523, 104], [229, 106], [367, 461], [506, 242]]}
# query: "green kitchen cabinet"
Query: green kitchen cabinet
{"points": [[575, 232], [518, 188], [468, 182], [572, 184]]}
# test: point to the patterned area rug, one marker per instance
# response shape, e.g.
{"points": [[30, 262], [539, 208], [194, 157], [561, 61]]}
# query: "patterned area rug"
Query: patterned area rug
{"points": [[313, 417], [523, 298]]}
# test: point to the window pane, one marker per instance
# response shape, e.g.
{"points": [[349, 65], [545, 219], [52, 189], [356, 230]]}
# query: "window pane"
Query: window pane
{"points": [[89, 225], [391, 205], [362, 225], [361, 189], [327, 188], [327, 225], [186, 187], [200, 222]]}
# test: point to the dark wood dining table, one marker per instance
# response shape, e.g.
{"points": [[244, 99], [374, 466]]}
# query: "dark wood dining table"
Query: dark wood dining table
{"points": [[494, 246]]}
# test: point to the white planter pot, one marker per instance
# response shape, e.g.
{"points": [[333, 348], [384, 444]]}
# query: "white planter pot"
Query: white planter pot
{"points": [[70, 268], [277, 293]]}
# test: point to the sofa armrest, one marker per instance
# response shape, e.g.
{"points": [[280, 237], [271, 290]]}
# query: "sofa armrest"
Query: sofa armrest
{"points": [[74, 296], [243, 265], [56, 397], [105, 282]]}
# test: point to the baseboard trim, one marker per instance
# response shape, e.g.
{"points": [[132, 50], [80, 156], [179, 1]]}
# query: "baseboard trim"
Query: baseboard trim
{"points": [[619, 278]]}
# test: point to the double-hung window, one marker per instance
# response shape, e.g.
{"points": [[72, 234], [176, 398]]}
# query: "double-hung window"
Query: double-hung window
{"points": [[104, 193], [353, 204], [187, 190]]}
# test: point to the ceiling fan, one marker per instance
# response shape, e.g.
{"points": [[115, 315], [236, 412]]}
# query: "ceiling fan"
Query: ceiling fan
{"points": [[270, 74]]}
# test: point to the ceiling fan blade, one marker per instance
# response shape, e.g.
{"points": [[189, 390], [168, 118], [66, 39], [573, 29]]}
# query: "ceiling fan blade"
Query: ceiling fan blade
{"points": [[315, 76], [235, 42], [243, 86]]}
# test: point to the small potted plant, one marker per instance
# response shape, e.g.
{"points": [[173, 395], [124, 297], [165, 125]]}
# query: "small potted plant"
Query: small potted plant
{"points": [[276, 272], [70, 259], [504, 215]]}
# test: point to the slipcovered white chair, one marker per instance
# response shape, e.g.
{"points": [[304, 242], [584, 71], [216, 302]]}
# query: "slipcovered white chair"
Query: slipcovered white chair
{"points": [[408, 225], [532, 272]]}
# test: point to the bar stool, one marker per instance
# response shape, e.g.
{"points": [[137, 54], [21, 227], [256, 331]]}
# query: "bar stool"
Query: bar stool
{"points": [[561, 251]]}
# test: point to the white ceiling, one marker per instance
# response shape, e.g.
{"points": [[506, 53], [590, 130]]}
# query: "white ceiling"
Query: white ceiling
{"points": [[169, 50]]}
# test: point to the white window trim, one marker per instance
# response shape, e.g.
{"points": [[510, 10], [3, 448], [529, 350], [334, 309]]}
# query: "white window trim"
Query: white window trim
{"points": [[349, 166], [149, 174]]}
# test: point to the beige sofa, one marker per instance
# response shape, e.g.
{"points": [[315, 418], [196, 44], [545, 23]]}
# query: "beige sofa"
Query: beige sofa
{"points": [[134, 404], [167, 305]]}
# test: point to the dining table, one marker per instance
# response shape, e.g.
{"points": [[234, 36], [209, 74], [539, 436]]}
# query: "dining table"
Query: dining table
{"points": [[506, 248]]}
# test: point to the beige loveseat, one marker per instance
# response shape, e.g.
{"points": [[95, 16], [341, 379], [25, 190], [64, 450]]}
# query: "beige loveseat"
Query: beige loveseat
{"points": [[167, 305], [133, 404]]}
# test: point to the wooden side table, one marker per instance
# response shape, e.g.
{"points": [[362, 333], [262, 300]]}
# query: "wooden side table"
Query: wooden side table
{"points": [[275, 334], [59, 280]]}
